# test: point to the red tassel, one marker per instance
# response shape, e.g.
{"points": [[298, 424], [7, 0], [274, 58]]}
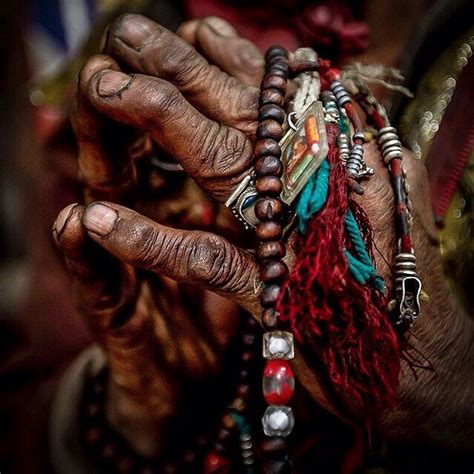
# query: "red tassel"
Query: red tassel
{"points": [[344, 323]]}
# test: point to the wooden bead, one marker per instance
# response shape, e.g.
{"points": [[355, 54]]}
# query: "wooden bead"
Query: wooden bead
{"points": [[268, 209], [271, 96], [243, 374], [271, 250], [272, 111], [275, 51], [269, 295], [268, 165], [268, 185], [270, 318], [278, 67], [274, 448], [269, 230], [267, 147], [274, 81], [269, 129], [273, 271]]}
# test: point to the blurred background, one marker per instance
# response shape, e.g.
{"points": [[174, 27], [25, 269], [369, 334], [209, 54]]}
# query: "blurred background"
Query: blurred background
{"points": [[44, 43]]}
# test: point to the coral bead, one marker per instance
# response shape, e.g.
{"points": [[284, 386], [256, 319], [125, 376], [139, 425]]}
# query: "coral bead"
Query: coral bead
{"points": [[278, 382]]}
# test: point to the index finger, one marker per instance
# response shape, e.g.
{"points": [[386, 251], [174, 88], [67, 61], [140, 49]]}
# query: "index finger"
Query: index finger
{"points": [[105, 166]]}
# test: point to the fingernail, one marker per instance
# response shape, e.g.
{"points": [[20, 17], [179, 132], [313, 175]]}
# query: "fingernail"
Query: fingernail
{"points": [[112, 83], [134, 30], [220, 26], [62, 219], [99, 219]]}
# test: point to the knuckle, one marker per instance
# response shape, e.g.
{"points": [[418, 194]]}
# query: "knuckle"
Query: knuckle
{"points": [[209, 260], [164, 100]]}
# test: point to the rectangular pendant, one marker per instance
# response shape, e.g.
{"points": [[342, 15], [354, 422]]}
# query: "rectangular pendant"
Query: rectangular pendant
{"points": [[303, 150]]}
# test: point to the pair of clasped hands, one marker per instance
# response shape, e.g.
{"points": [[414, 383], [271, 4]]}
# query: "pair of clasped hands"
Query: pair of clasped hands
{"points": [[164, 300]]}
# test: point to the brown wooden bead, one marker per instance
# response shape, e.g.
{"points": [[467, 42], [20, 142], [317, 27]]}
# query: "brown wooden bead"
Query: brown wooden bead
{"points": [[270, 318], [274, 81], [268, 185], [243, 374], [269, 129], [278, 67], [268, 209], [275, 52], [267, 146], [273, 271], [269, 230], [268, 166], [271, 96], [272, 250], [274, 448], [269, 295], [271, 111]]}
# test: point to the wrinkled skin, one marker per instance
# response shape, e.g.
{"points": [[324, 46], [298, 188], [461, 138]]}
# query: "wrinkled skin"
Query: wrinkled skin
{"points": [[203, 113]]}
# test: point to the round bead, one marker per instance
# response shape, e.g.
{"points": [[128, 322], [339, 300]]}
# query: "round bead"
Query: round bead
{"points": [[278, 388], [270, 318], [275, 51], [271, 111], [271, 96], [272, 250], [269, 129], [268, 208], [267, 147], [268, 166], [269, 230], [268, 185], [271, 80], [243, 374], [274, 448], [273, 271], [269, 295], [277, 66]]}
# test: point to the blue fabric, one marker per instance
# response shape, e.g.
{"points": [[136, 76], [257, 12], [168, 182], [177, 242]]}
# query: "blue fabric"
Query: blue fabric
{"points": [[313, 196]]}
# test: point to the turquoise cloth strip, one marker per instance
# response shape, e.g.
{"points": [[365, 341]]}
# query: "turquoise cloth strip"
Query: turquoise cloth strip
{"points": [[313, 196]]}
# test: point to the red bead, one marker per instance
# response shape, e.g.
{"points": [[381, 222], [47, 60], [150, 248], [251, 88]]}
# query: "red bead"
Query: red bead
{"points": [[214, 462], [278, 382]]}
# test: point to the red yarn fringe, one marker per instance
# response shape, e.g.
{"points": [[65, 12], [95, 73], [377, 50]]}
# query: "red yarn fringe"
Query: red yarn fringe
{"points": [[344, 323]]}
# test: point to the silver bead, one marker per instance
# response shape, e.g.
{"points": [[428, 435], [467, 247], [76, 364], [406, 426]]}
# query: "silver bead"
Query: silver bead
{"points": [[340, 92], [356, 160], [343, 145], [359, 136], [278, 345], [389, 144], [278, 420]]}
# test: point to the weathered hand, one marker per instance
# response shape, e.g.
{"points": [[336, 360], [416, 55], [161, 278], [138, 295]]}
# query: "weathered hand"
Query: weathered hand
{"points": [[206, 120]]}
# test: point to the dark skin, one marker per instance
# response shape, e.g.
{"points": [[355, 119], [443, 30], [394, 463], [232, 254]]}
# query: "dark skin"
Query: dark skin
{"points": [[203, 113]]}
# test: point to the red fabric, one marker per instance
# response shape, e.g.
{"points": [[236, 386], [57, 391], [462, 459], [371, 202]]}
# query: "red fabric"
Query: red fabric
{"points": [[343, 322], [328, 26]]}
